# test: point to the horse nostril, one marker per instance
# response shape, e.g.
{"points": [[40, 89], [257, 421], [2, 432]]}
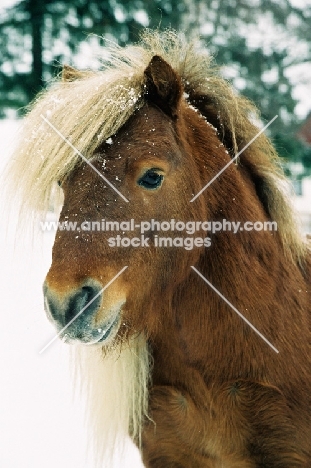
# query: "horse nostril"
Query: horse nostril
{"points": [[79, 306], [83, 302]]}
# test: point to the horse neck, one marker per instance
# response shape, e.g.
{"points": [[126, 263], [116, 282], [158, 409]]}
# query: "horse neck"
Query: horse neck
{"points": [[201, 335]]}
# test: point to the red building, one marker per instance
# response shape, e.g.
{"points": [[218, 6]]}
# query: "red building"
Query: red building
{"points": [[304, 133]]}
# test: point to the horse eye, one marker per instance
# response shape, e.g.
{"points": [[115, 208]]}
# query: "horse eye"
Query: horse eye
{"points": [[151, 180]]}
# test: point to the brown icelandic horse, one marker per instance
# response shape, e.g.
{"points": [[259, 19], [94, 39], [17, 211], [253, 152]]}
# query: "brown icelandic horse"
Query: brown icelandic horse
{"points": [[169, 361]]}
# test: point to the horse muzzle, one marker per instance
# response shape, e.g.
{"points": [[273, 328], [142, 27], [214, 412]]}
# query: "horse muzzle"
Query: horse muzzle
{"points": [[75, 315]]}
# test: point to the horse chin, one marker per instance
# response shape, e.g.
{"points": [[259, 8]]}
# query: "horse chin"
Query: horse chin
{"points": [[108, 333]]}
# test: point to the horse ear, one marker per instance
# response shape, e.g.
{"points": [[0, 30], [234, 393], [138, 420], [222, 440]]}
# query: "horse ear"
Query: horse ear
{"points": [[71, 74], [163, 86]]}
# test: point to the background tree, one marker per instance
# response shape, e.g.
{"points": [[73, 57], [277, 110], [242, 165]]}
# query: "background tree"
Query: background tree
{"points": [[262, 41], [257, 43], [36, 36]]}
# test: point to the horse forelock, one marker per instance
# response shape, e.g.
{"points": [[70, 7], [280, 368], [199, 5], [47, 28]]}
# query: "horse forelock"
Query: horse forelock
{"points": [[90, 109]]}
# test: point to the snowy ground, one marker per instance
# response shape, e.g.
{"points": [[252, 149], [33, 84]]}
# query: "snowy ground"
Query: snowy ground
{"points": [[41, 424]]}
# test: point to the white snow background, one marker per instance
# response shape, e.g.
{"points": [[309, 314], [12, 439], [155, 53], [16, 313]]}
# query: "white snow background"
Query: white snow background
{"points": [[41, 422]]}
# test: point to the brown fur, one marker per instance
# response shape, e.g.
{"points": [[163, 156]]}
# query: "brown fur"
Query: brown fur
{"points": [[219, 396]]}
